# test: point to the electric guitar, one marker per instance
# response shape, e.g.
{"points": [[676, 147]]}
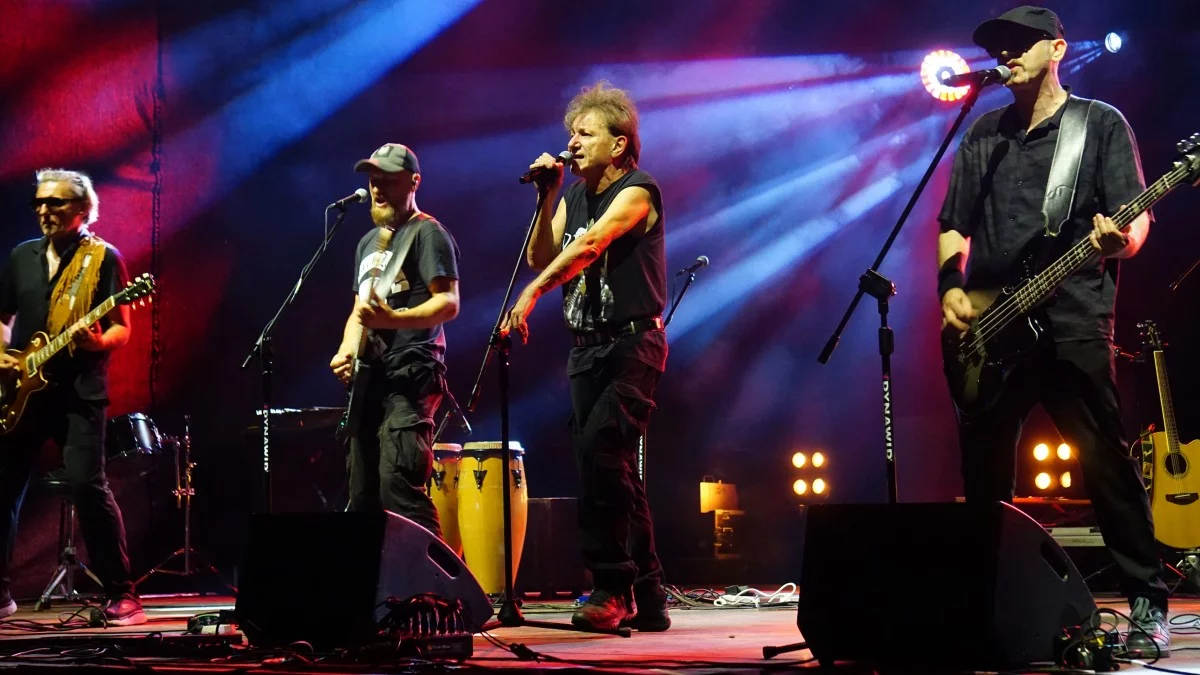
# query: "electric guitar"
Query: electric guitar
{"points": [[17, 386], [1174, 488], [360, 373], [1008, 328]]}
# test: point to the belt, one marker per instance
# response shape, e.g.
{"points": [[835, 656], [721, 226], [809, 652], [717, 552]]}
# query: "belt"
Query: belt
{"points": [[611, 334]]}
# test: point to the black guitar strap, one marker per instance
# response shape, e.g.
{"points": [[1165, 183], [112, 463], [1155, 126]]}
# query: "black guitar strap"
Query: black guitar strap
{"points": [[1064, 169]]}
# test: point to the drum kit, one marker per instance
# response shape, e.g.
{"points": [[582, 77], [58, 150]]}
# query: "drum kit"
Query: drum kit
{"points": [[467, 489]]}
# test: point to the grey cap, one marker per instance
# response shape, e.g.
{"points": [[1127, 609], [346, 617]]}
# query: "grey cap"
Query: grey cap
{"points": [[390, 158], [1027, 18]]}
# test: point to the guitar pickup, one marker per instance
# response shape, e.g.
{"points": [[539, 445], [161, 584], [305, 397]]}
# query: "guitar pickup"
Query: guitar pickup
{"points": [[1183, 498]]}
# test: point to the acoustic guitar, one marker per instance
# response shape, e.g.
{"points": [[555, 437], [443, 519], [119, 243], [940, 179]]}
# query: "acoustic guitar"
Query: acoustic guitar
{"points": [[1174, 477]]}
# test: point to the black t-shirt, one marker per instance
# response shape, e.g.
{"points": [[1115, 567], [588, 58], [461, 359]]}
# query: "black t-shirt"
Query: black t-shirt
{"points": [[432, 254], [995, 197], [627, 283], [25, 291]]}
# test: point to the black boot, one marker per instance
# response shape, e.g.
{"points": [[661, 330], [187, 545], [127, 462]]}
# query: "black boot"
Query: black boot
{"points": [[650, 609]]}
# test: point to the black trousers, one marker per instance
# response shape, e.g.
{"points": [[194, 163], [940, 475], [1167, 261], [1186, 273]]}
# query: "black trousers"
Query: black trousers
{"points": [[77, 428], [1076, 384], [391, 459], [612, 403]]}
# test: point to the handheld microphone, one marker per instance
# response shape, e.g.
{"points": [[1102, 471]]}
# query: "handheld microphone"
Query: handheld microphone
{"points": [[532, 174], [702, 261], [360, 195], [979, 78]]}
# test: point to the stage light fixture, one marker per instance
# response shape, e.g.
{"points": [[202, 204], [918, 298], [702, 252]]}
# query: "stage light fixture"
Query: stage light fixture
{"points": [[799, 460], [939, 65], [1065, 479], [1113, 43], [1041, 452], [1042, 481], [1064, 451], [819, 486], [818, 460], [800, 487]]}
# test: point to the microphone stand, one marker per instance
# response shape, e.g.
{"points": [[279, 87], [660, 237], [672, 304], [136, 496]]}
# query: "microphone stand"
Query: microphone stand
{"points": [[500, 346], [262, 348], [879, 287]]}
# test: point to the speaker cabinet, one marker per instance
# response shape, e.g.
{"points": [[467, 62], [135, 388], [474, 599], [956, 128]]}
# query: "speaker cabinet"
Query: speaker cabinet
{"points": [[322, 577], [934, 586]]}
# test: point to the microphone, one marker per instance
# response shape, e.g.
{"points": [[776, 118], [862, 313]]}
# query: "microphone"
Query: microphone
{"points": [[360, 195], [702, 261], [979, 78], [532, 174]]}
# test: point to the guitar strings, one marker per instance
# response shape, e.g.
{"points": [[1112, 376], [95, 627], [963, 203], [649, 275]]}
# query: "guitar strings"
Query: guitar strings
{"points": [[1075, 258]]}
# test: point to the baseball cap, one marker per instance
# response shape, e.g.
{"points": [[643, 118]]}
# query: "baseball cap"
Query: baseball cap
{"points": [[390, 158], [1025, 19]]}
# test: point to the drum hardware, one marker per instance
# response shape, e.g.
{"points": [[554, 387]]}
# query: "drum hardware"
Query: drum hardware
{"points": [[517, 477], [184, 492]]}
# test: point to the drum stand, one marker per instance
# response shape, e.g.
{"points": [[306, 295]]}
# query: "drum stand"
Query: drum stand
{"points": [[510, 607], [183, 499]]}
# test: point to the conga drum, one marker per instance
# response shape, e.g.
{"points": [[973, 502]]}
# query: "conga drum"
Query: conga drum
{"points": [[481, 510], [443, 490]]}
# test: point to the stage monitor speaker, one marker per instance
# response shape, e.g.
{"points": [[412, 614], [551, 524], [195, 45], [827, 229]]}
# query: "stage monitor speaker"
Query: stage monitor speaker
{"points": [[926, 586], [324, 577]]}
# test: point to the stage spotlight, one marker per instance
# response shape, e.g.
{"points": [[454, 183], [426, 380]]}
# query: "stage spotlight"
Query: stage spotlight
{"points": [[1113, 42], [799, 460], [818, 460], [1041, 452], [1042, 481], [1065, 479], [1064, 452], [800, 487], [819, 486], [941, 64]]}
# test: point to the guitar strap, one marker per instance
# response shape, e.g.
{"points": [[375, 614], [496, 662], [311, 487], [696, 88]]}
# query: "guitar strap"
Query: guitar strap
{"points": [[72, 296], [383, 284], [1064, 169]]}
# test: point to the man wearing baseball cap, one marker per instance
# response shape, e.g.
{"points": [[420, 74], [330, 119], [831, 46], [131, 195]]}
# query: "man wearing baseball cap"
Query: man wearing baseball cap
{"points": [[993, 216], [391, 454]]}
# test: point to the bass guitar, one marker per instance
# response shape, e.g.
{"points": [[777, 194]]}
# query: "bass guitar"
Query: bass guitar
{"points": [[1174, 489], [360, 373], [17, 386], [1008, 328]]}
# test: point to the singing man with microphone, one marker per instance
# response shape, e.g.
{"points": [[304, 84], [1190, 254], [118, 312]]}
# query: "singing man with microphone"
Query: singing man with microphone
{"points": [[391, 454], [603, 242], [992, 215]]}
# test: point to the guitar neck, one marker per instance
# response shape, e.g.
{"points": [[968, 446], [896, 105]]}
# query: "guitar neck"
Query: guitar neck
{"points": [[381, 245], [1040, 287], [64, 338], [1164, 397]]}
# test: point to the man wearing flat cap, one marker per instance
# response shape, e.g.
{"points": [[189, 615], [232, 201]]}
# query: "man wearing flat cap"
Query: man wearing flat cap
{"points": [[992, 218], [391, 457]]}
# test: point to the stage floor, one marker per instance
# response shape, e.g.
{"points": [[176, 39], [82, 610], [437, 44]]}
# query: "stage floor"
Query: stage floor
{"points": [[701, 640]]}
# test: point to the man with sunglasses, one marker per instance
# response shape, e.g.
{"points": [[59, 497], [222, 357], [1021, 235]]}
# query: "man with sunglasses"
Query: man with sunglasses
{"points": [[47, 284], [993, 215]]}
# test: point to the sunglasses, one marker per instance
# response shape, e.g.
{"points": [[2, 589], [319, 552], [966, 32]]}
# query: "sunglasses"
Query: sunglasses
{"points": [[52, 202]]}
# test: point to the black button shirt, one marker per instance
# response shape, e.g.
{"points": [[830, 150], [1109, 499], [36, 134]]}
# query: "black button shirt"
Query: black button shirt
{"points": [[25, 287], [995, 198]]}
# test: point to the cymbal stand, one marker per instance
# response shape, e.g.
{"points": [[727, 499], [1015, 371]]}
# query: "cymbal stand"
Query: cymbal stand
{"points": [[183, 499]]}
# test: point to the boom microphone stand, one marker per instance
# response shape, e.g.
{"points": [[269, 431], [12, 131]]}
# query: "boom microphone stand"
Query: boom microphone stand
{"points": [[262, 347], [879, 287], [510, 610]]}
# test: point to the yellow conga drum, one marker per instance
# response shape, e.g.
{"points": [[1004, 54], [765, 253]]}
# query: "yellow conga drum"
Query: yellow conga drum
{"points": [[481, 510], [443, 490]]}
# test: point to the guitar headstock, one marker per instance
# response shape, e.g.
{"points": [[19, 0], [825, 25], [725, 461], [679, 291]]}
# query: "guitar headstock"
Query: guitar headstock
{"points": [[1189, 158], [1151, 338], [137, 289]]}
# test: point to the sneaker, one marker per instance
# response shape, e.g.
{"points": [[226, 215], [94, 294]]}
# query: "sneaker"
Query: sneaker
{"points": [[649, 609], [7, 606], [602, 611], [126, 611], [1148, 637]]}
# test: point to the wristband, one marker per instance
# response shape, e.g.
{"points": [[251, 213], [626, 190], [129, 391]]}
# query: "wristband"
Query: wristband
{"points": [[949, 277]]}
